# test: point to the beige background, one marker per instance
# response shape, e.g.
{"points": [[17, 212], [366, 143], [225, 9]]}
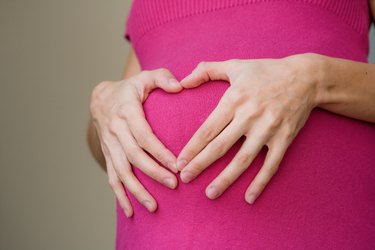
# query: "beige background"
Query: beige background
{"points": [[52, 53]]}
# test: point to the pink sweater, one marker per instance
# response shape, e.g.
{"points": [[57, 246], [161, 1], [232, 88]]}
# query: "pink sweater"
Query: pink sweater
{"points": [[322, 197]]}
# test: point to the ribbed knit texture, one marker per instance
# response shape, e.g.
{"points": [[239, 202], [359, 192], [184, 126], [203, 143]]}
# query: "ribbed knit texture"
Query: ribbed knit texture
{"points": [[322, 196], [149, 14]]}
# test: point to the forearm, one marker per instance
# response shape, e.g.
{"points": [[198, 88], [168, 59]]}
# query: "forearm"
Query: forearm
{"points": [[346, 87], [132, 67]]}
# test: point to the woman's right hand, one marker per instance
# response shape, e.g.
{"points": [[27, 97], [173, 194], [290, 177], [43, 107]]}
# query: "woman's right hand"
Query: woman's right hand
{"points": [[117, 112]]}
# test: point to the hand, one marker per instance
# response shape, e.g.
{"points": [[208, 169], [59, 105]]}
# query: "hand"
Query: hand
{"points": [[268, 101], [117, 111]]}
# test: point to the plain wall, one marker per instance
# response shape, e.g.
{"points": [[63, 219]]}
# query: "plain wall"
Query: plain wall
{"points": [[52, 53]]}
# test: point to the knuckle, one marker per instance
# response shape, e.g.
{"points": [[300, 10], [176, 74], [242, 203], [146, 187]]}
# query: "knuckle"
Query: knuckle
{"points": [[106, 138], [158, 155], [190, 152], [139, 192], [288, 131], [142, 140], [143, 75], [227, 111], [225, 181], [104, 83], [196, 167], [145, 72], [140, 90], [126, 112], [206, 134], [251, 114], [163, 71], [274, 118], [114, 125], [122, 174], [202, 64], [131, 112], [100, 86], [98, 92], [113, 182], [236, 96], [272, 170], [244, 159], [132, 154], [218, 147], [99, 89], [155, 173], [122, 111]]}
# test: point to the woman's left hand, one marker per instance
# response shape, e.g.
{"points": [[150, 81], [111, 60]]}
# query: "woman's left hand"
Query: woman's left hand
{"points": [[268, 101]]}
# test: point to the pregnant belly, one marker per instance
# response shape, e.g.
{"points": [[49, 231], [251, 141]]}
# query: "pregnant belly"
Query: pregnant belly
{"points": [[322, 195]]}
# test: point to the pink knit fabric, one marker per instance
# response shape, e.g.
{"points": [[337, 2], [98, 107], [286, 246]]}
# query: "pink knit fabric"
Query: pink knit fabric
{"points": [[322, 197]]}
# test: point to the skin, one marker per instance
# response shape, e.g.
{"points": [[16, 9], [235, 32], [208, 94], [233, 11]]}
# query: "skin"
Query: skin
{"points": [[124, 135], [279, 100], [269, 101]]}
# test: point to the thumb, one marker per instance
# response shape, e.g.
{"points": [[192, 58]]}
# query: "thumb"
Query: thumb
{"points": [[206, 71], [165, 80]]}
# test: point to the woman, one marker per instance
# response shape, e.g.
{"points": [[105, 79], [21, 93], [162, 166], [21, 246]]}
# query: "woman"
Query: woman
{"points": [[240, 90]]}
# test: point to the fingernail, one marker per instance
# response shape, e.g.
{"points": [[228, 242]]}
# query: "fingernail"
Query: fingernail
{"points": [[186, 176], [251, 198], [212, 192], [172, 166], [148, 205], [169, 182], [173, 82], [181, 164]]}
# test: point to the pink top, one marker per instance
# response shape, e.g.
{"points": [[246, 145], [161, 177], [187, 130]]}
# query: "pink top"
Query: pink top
{"points": [[323, 195]]}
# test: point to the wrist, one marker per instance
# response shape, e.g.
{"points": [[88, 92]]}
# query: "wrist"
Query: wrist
{"points": [[314, 70]]}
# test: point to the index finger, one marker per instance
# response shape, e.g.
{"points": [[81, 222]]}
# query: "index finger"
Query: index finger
{"points": [[207, 71], [212, 126]]}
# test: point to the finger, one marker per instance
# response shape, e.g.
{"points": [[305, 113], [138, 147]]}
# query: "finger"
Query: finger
{"points": [[165, 80], [214, 150], [212, 126], [159, 78], [119, 191], [124, 172], [116, 185], [241, 161], [139, 191], [271, 164], [207, 71], [147, 140], [139, 158]]}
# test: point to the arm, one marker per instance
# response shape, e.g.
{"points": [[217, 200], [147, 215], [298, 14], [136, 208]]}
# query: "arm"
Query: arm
{"points": [[132, 67], [347, 87], [269, 101]]}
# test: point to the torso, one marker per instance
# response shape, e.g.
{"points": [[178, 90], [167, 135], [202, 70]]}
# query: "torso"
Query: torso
{"points": [[323, 194]]}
